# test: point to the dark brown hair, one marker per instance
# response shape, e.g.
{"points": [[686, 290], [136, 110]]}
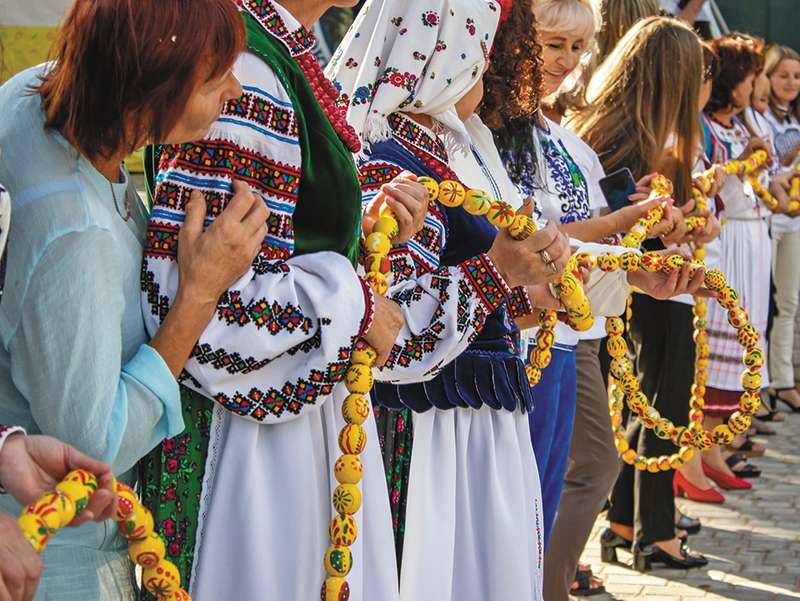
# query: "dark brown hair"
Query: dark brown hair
{"points": [[513, 88], [125, 69], [739, 56], [710, 63]]}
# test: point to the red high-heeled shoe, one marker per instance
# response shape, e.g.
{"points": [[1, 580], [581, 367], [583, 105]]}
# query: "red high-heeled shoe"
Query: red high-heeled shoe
{"points": [[725, 481], [683, 488]]}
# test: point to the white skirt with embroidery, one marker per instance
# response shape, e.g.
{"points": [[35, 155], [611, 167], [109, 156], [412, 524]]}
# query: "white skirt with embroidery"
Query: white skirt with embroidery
{"points": [[266, 508], [473, 514]]}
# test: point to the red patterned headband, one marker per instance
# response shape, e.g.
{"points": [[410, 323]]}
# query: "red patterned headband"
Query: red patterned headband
{"points": [[505, 9]]}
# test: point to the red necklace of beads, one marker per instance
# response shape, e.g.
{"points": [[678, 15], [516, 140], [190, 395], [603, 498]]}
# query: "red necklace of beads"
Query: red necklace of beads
{"points": [[327, 96]]}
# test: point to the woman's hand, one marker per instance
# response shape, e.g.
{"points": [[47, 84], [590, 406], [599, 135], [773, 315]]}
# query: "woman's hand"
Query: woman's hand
{"points": [[408, 202], [536, 260], [210, 261], [386, 325], [33, 465], [707, 233], [20, 565], [672, 227], [662, 286], [755, 144], [717, 182], [642, 188], [626, 218]]}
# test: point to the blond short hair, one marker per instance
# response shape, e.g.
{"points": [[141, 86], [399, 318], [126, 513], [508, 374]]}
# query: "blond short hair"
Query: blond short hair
{"points": [[565, 15]]}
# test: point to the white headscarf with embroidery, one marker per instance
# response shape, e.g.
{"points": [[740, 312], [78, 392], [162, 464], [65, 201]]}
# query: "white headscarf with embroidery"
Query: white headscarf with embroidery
{"points": [[413, 56]]}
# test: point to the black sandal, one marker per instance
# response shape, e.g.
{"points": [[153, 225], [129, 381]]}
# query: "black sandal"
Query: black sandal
{"points": [[584, 578], [747, 448], [748, 471], [690, 525], [774, 398]]}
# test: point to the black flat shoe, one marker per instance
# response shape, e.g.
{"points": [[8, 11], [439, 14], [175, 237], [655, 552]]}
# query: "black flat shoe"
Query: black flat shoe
{"points": [[748, 471], [690, 525], [646, 555], [610, 541]]}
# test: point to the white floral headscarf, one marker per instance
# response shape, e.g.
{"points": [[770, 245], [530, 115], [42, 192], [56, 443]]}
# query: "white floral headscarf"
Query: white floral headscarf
{"points": [[415, 56]]}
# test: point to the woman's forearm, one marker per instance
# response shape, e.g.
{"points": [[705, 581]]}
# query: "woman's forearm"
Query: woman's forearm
{"points": [[690, 11], [592, 230], [180, 331]]}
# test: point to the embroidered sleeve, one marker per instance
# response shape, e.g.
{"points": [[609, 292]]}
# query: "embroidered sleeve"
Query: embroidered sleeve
{"points": [[520, 303], [445, 307], [281, 336]]}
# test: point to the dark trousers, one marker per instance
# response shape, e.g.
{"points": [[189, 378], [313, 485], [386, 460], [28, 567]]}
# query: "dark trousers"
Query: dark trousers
{"points": [[662, 332]]}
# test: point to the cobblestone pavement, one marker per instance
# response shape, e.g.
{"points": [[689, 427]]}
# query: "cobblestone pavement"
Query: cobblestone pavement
{"points": [[752, 540]]}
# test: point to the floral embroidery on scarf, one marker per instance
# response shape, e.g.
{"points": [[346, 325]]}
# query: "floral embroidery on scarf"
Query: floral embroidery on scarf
{"points": [[470, 26], [430, 18]]}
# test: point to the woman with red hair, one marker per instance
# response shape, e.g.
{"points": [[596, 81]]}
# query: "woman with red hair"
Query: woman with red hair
{"points": [[75, 359]]}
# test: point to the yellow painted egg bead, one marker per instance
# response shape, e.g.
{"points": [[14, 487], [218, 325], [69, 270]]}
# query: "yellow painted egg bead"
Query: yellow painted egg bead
{"points": [[377, 282], [722, 435], [640, 463], [701, 378], [348, 469], [615, 326], [650, 262], [55, 509], [616, 420], [335, 589], [343, 530], [451, 193], [431, 185], [748, 337], [672, 263], [500, 214], [534, 374], [363, 354], [541, 358], [338, 561], [545, 339], [663, 463], [126, 501], [477, 203], [653, 466], [358, 379], [738, 317], [751, 381], [728, 298], [355, 409], [387, 225], [148, 551], [616, 346], [749, 402], [583, 325], [83, 477], [637, 402], [607, 262], [686, 453], [715, 279], [663, 429], [548, 319], [379, 243], [622, 445], [629, 261], [620, 366], [522, 227], [76, 492], [179, 595], [352, 439], [378, 263], [629, 456], [162, 580], [675, 461], [138, 525], [753, 359], [34, 530], [739, 423], [347, 499], [629, 383]]}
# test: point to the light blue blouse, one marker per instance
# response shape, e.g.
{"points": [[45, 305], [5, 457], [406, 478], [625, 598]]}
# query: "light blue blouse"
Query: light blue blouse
{"points": [[74, 359]]}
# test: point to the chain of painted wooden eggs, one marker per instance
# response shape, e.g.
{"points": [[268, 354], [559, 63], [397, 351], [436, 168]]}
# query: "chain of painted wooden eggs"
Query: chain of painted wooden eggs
{"points": [[55, 510], [794, 189], [359, 380]]}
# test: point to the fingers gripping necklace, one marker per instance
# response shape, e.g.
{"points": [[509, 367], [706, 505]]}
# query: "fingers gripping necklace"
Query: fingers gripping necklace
{"points": [[56, 509]]}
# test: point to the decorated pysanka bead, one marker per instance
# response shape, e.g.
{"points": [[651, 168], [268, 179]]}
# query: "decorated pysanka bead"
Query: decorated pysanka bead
{"points": [[347, 499], [387, 225], [338, 561], [355, 409], [35, 531], [343, 530], [377, 262], [148, 551], [348, 469], [500, 214], [162, 580], [522, 227], [138, 525], [335, 589], [431, 186], [477, 202], [54, 508], [352, 439], [451, 193], [358, 379], [378, 243]]}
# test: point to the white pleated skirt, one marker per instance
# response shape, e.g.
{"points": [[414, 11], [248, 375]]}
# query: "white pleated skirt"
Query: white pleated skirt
{"points": [[744, 254], [473, 516], [266, 509]]}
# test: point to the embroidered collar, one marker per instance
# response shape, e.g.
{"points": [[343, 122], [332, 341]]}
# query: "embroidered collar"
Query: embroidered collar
{"points": [[280, 23], [414, 135]]}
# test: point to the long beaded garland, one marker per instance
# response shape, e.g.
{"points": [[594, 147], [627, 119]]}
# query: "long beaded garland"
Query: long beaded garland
{"points": [[56, 509], [359, 380]]}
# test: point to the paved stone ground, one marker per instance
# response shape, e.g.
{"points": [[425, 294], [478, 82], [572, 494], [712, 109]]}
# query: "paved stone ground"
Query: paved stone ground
{"points": [[752, 540]]}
